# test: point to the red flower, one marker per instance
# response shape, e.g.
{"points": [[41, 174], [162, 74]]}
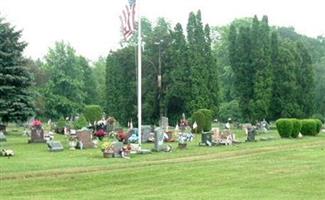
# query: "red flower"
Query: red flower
{"points": [[36, 123], [100, 133]]}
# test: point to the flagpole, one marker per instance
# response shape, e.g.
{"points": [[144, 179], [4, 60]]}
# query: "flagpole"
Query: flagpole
{"points": [[139, 72]]}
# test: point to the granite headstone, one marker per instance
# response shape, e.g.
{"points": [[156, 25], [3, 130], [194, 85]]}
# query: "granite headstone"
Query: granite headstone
{"points": [[55, 146]]}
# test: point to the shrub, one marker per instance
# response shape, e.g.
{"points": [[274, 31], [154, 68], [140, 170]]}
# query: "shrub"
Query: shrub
{"points": [[93, 113], [284, 127], [208, 114], [296, 127], [318, 116], [199, 118], [309, 127], [60, 124], [80, 123], [318, 125]]}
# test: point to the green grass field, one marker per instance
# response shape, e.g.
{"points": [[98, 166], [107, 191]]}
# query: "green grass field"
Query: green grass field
{"points": [[275, 169]]}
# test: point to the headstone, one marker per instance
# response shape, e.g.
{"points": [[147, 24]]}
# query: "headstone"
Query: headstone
{"points": [[163, 123], [2, 137], [117, 148], [55, 146], [85, 138], [37, 135], [251, 132], [146, 133], [159, 138]]}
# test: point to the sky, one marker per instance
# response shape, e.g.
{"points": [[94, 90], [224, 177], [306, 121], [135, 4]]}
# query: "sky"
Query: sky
{"points": [[92, 27]]}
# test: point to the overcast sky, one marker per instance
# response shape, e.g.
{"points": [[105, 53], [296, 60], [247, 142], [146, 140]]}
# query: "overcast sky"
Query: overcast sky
{"points": [[92, 27]]}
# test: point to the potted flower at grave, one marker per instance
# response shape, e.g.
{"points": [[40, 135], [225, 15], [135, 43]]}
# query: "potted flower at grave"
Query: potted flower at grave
{"points": [[183, 139], [107, 149], [100, 134]]}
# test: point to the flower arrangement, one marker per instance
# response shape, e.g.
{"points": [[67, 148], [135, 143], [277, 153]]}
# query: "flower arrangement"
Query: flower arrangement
{"points": [[106, 146], [100, 134], [36, 123]]}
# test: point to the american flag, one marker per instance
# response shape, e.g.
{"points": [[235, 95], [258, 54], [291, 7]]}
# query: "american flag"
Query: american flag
{"points": [[127, 18]]}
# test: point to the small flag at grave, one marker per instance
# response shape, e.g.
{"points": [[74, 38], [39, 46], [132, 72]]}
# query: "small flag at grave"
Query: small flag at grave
{"points": [[195, 125]]}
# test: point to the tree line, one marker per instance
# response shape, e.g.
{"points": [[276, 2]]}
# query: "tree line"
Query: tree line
{"points": [[247, 71]]}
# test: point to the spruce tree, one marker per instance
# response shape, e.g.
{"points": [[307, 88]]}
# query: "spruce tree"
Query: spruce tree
{"points": [[305, 80], [178, 95], [198, 66], [261, 63], [15, 96]]}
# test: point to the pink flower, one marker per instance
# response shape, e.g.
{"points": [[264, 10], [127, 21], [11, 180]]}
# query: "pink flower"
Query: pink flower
{"points": [[36, 123]]}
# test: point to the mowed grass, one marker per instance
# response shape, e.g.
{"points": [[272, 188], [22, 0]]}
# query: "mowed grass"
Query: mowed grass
{"points": [[275, 169]]}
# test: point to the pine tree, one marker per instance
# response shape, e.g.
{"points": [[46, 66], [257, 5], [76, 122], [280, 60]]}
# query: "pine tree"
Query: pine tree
{"points": [[178, 95], [305, 80], [261, 62], [212, 69], [15, 96], [198, 66]]}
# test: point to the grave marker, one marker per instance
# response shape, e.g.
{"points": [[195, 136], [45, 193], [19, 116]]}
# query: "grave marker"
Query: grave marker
{"points": [[37, 135], [85, 138], [55, 146]]}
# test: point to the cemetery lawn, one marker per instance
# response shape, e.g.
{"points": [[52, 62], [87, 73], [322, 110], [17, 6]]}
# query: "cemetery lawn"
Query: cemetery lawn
{"points": [[275, 169]]}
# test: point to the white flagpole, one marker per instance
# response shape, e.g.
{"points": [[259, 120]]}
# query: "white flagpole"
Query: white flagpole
{"points": [[139, 72]]}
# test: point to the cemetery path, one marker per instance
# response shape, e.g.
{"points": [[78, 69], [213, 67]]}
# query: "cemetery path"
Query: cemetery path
{"points": [[225, 155]]}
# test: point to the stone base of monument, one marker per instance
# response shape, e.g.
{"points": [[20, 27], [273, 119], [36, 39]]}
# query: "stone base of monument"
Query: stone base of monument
{"points": [[108, 154]]}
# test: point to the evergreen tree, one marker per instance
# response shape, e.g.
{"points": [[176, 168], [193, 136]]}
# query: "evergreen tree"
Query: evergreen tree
{"points": [[15, 96], [261, 62], [179, 90], [212, 69], [305, 80], [198, 68], [121, 85]]}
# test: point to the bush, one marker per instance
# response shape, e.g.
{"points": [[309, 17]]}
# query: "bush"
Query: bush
{"points": [[318, 116], [296, 127], [208, 114], [60, 124], [93, 113], [80, 123], [284, 127], [318, 125], [199, 118], [309, 127]]}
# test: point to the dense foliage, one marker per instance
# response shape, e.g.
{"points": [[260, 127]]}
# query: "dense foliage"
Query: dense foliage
{"points": [[93, 113], [16, 103], [246, 71]]}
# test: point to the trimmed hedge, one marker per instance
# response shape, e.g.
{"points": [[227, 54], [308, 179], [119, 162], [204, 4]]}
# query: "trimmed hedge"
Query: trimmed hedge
{"points": [[319, 125], [284, 127], [199, 118], [309, 127], [208, 114], [296, 127], [291, 127]]}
